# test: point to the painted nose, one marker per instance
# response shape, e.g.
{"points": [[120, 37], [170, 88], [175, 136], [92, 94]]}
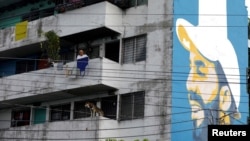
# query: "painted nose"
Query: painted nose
{"points": [[190, 84]]}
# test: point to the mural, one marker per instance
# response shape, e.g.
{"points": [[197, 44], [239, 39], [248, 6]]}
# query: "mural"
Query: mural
{"points": [[209, 66]]}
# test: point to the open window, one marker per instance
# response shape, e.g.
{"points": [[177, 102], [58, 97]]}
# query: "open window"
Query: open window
{"points": [[20, 117], [112, 50], [109, 106], [25, 66], [60, 112], [67, 54], [93, 52], [80, 111]]}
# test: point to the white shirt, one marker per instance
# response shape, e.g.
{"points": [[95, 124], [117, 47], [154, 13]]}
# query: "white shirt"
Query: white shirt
{"points": [[80, 57]]}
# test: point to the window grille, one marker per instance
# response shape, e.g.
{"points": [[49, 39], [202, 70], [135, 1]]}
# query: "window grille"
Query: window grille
{"points": [[60, 112], [80, 111], [132, 106], [20, 117], [133, 3], [109, 106], [134, 49]]}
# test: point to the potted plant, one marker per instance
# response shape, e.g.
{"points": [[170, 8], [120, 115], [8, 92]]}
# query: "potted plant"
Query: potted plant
{"points": [[51, 46]]}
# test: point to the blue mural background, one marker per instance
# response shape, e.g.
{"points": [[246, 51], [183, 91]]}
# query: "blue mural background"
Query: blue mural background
{"points": [[237, 33]]}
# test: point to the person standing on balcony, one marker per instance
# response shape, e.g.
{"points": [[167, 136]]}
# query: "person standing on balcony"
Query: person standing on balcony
{"points": [[82, 61]]}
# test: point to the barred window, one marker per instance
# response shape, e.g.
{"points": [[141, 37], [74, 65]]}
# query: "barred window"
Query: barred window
{"points": [[109, 106], [60, 112], [134, 49], [20, 117], [133, 3], [80, 111], [132, 105]]}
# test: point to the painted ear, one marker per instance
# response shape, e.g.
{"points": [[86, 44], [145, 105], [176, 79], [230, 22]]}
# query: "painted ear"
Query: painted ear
{"points": [[226, 101], [225, 98]]}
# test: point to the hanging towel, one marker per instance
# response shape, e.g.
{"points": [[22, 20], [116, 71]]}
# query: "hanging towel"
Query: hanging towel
{"points": [[82, 62]]}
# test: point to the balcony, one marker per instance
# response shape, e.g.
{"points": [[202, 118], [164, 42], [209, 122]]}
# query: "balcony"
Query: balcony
{"points": [[97, 128], [53, 84], [62, 130], [12, 12], [96, 16]]}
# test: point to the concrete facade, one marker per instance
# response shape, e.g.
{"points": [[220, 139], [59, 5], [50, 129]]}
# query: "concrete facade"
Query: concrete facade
{"points": [[103, 77]]}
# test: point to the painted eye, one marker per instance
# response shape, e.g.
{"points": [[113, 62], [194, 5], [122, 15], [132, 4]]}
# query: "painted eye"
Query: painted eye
{"points": [[200, 69]]}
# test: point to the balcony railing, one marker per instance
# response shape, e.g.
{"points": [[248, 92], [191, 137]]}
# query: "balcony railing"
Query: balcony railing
{"points": [[50, 80], [77, 21], [32, 11]]}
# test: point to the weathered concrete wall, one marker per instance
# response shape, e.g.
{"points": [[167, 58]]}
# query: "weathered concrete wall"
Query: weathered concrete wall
{"points": [[5, 117], [75, 21], [61, 130], [152, 75], [46, 81]]}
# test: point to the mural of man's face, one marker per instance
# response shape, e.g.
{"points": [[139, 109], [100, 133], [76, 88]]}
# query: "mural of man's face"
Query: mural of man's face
{"points": [[208, 92], [203, 93], [202, 85], [213, 81]]}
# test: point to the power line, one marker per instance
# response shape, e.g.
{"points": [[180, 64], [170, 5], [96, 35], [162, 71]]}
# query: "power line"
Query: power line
{"points": [[67, 83], [71, 61], [158, 78], [124, 25], [126, 71], [129, 25], [86, 119], [113, 137], [131, 127], [77, 138], [106, 128], [34, 91], [48, 108], [172, 97], [129, 14]]}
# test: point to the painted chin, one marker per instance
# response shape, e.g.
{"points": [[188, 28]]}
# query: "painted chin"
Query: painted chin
{"points": [[197, 112]]}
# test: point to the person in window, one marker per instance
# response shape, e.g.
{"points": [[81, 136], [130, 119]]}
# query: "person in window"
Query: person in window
{"points": [[82, 61]]}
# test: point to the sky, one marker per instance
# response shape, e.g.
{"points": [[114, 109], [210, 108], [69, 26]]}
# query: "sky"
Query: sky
{"points": [[247, 2]]}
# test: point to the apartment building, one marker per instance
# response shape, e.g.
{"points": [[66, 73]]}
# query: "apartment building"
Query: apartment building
{"points": [[129, 47], [160, 70]]}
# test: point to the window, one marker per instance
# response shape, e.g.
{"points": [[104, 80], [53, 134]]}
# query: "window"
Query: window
{"points": [[39, 115], [20, 117], [60, 112], [134, 49], [133, 3], [80, 111], [93, 52], [112, 50], [67, 54], [109, 106], [132, 105], [25, 66]]}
